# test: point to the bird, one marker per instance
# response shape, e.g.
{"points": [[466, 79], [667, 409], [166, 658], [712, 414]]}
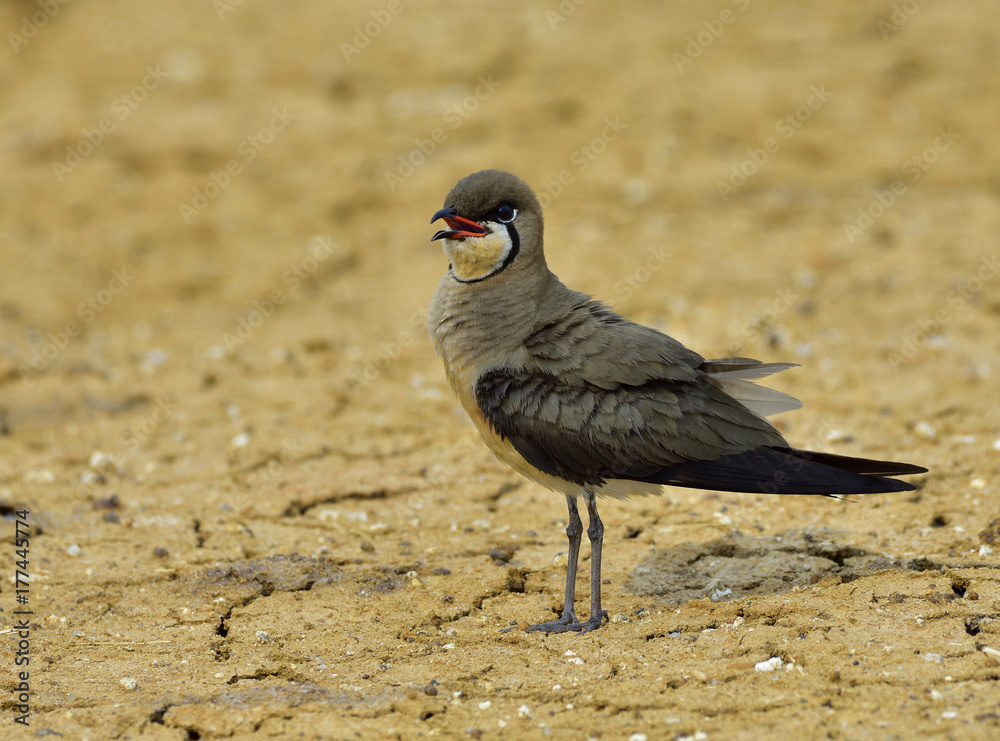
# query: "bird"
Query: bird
{"points": [[589, 404]]}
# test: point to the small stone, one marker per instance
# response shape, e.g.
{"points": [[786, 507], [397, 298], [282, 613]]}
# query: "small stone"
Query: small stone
{"points": [[128, 683], [524, 712], [241, 440], [978, 483], [768, 666], [430, 690], [102, 463], [936, 658], [160, 552], [112, 502], [262, 637], [501, 554], [924, 429], [73, 550], [485, 705]]}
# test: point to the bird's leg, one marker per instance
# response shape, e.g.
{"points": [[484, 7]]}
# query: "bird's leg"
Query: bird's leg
{"points": [[596, 534], [574, 532]]}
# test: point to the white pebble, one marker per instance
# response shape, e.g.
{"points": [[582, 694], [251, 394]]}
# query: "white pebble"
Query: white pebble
{"points": [[978, 483], [936, 658], [102, 462], [770, 665], [638, 737], [241, 440], [924, 429], [996, 444], [985, 550], [263, 637], [73, 550], [524, 712], [935, 695], [720, 594], [485, 705], [949, 714], [128, 683]]}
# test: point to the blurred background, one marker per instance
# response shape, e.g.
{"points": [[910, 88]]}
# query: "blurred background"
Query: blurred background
{"points": [[722, 170], [216, 263]]}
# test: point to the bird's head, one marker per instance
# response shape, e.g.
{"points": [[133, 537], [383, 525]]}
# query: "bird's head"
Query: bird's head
{"points": [[495, 222]]}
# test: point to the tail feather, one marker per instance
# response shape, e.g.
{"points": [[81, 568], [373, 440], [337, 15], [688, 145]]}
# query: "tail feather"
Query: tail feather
{"points": [[772, 470], [736, 376]]}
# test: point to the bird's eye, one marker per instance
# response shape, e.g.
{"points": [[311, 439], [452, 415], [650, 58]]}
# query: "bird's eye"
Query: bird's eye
{"points": [[506, 213]]}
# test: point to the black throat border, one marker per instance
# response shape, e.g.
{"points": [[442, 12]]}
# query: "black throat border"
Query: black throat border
{"points": [[515, 247]]}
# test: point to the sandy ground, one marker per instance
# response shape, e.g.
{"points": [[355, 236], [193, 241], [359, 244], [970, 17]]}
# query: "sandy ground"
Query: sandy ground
{"points": [[254, 508]]}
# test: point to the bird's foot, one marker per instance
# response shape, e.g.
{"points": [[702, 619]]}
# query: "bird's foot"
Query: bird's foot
{"points": [[569, 624]]}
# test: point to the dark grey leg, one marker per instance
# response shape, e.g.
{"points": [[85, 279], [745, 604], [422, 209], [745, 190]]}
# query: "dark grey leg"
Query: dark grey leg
{"points": [[596, 534], [574, 532]]}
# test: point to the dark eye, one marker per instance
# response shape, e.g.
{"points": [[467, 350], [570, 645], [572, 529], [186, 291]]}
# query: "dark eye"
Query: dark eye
{"points": [[506, 213]]}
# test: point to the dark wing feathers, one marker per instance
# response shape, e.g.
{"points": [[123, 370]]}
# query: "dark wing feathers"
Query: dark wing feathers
{"points": [[664, 432], [783, 471], [605, 398], [587, 434]]}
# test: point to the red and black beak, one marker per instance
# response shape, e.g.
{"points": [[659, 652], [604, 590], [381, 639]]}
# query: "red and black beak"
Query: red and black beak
{"points": [[461, 227]]}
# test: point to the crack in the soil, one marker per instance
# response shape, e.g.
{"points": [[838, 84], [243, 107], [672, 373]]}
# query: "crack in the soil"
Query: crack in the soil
{"points": [[296, 508]]}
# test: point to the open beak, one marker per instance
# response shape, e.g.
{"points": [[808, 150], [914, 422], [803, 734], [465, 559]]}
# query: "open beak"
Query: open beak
{"points": [[461, 227]]}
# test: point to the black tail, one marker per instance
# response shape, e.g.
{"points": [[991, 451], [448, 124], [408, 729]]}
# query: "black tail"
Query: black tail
{"points": [[773, 470]]}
